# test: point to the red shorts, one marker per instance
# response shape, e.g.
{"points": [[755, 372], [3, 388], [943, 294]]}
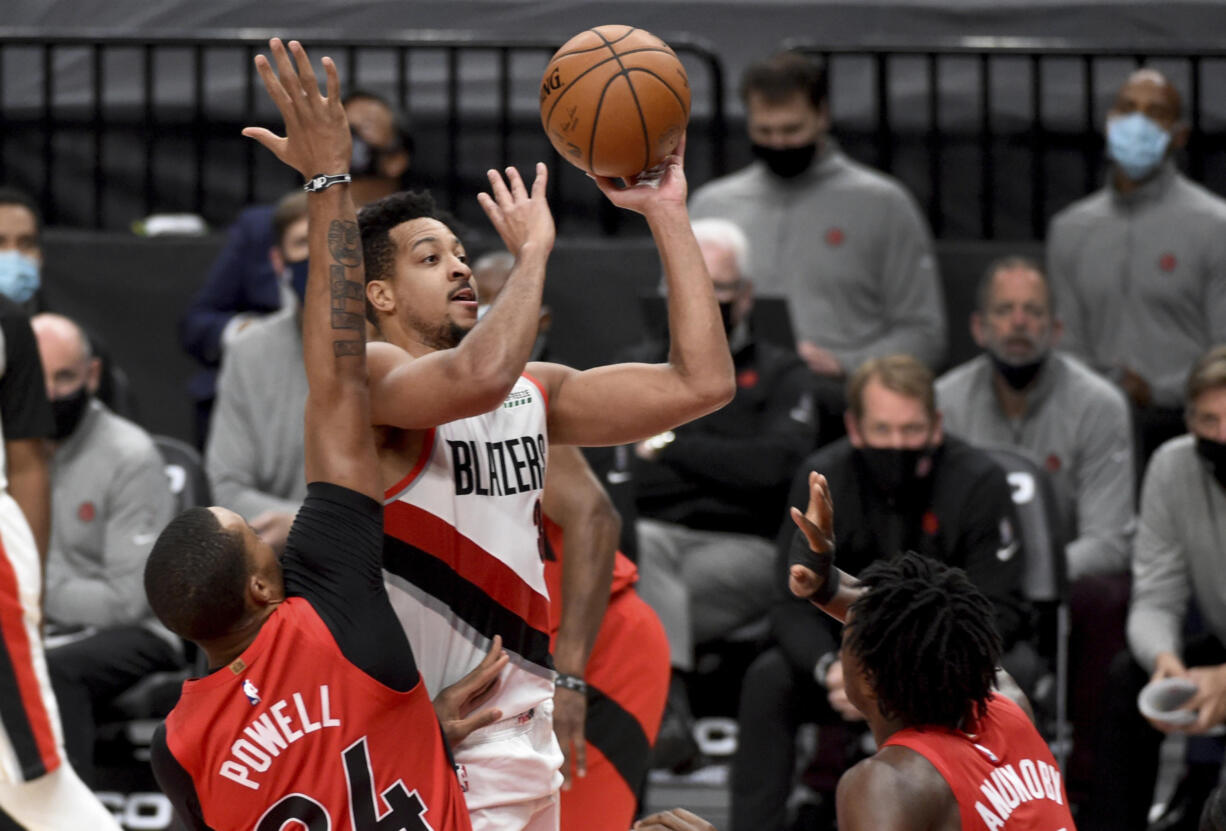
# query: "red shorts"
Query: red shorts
{"points": [[627, 676]]}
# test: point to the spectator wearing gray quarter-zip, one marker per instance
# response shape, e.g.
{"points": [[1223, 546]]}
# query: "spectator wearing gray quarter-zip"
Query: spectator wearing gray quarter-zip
{"points": [[1138, 268], [846, 245], [1177, 578], [1075, 424], [109, 499]]}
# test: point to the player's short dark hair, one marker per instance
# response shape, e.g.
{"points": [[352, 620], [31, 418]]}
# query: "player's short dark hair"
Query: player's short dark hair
{"points": [[12, 196], [1009, 262], [195, 576], [927, 639], [376, 221], [784, 74]]}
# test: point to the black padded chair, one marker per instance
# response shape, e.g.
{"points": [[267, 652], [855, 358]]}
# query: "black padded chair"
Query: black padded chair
{"points": [[1045, 578], [188, 482]]}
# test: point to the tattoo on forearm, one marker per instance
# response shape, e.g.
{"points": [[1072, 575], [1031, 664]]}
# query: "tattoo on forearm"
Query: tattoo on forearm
{"points": [[343, 290], [344, 242], [347, 320], [348, 348]]}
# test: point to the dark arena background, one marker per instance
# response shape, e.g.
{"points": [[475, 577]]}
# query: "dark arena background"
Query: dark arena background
{"points": [[990, 112]]}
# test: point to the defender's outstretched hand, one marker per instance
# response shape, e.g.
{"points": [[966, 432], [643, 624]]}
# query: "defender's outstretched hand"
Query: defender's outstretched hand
{"points": [[455, 705], [652, 190], [517, 215], [812, 557], [317, 138]]}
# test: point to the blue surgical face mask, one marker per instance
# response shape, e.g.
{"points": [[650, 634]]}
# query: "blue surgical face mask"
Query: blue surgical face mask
{"points": [[1137, 144], [298, 278], [19, 276]]}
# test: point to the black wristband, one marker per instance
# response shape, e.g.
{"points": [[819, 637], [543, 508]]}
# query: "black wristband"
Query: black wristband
{"points": [[323, 181], [822, 565], [570, 682]]}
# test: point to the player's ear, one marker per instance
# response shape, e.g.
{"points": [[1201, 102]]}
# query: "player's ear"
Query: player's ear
{"points": [[379, 296]]}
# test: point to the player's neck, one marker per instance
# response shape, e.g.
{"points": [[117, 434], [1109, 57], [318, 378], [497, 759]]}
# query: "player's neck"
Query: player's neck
{"points": [[883, 728], [1012, 401], [224, 650], [408, 339]]}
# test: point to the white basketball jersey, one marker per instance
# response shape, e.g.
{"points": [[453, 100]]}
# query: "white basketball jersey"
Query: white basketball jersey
{"points": [[463, 549]]}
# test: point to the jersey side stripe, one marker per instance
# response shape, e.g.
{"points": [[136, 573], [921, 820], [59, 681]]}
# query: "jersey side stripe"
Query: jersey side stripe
{"points": [[25, 718], [434, 537], [466, 600], [423, 458]]}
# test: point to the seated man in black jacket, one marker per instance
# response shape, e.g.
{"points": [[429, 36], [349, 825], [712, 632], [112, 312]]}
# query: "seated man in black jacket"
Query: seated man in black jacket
{"points": [[900, 485], [710, 494]]}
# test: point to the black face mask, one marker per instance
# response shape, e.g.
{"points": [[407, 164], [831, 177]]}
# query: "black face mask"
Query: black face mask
{"points": [[1213, 452], [1017, 376], [298, 278], [895, 471], [67, 413], [787, 162]]}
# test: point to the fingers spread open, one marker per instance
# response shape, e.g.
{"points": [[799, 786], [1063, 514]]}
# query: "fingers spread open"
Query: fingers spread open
{"points": [[498, 187], [541, 181], [517, 184]]}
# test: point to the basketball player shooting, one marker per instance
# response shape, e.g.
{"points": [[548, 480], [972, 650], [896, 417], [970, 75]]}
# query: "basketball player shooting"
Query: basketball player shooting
{"points": [[463, 432], [313, 715], [920, 658]]}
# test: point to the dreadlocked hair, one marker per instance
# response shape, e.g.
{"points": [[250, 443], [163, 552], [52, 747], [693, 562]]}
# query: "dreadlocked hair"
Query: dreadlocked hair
{"points": [[926, 637]]}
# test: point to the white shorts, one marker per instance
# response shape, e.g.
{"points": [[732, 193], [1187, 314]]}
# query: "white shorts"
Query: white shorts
{"points": [[511, 772]]}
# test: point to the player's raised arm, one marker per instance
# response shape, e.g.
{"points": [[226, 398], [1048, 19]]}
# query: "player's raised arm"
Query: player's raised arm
{"points": [[339, 447], [459, 369], [812, 574], [697, 378]]}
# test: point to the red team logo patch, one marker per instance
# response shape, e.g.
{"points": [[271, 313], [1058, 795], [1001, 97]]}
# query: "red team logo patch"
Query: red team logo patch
{"points": [[747, 379], [834, 237], [86, 512], [1167, 262]]}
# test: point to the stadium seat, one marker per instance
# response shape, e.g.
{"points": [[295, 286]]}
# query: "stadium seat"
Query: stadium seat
{"points": [[1045, 580]]}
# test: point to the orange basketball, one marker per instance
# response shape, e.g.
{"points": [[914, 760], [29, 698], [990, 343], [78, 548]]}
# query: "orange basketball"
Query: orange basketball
{"points": [[615, 100]]}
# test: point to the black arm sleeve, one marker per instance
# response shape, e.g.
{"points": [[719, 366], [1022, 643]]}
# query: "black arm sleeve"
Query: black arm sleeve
{"points": [[176, 783], [23, 392], [334, 559]]}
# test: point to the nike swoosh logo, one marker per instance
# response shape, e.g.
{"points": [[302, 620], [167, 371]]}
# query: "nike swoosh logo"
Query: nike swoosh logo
{"points": [[618, 477], [1006, 554]]}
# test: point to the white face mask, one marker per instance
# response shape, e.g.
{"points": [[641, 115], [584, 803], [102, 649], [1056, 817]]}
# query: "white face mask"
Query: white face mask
{"points": [[19, 275]]}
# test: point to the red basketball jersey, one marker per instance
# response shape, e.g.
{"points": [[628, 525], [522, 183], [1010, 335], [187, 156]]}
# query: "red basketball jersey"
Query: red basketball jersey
{"points": [[292, 732], [1003, 775]]}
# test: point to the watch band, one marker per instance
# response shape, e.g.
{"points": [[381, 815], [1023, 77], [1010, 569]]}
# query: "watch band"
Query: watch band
{"points": [[323, 181], [570, 682]]}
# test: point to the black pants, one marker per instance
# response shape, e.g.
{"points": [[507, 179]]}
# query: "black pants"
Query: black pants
{"points": [[89, 673], [1099, 611], [776, 700], [1126, 762]]}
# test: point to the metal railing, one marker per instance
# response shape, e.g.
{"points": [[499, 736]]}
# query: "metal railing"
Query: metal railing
{"points": [[105, 128], [1018, 105]]}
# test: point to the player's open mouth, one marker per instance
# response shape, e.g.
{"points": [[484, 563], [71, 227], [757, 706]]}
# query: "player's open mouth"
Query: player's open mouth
{"points": [[465, 296]]}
